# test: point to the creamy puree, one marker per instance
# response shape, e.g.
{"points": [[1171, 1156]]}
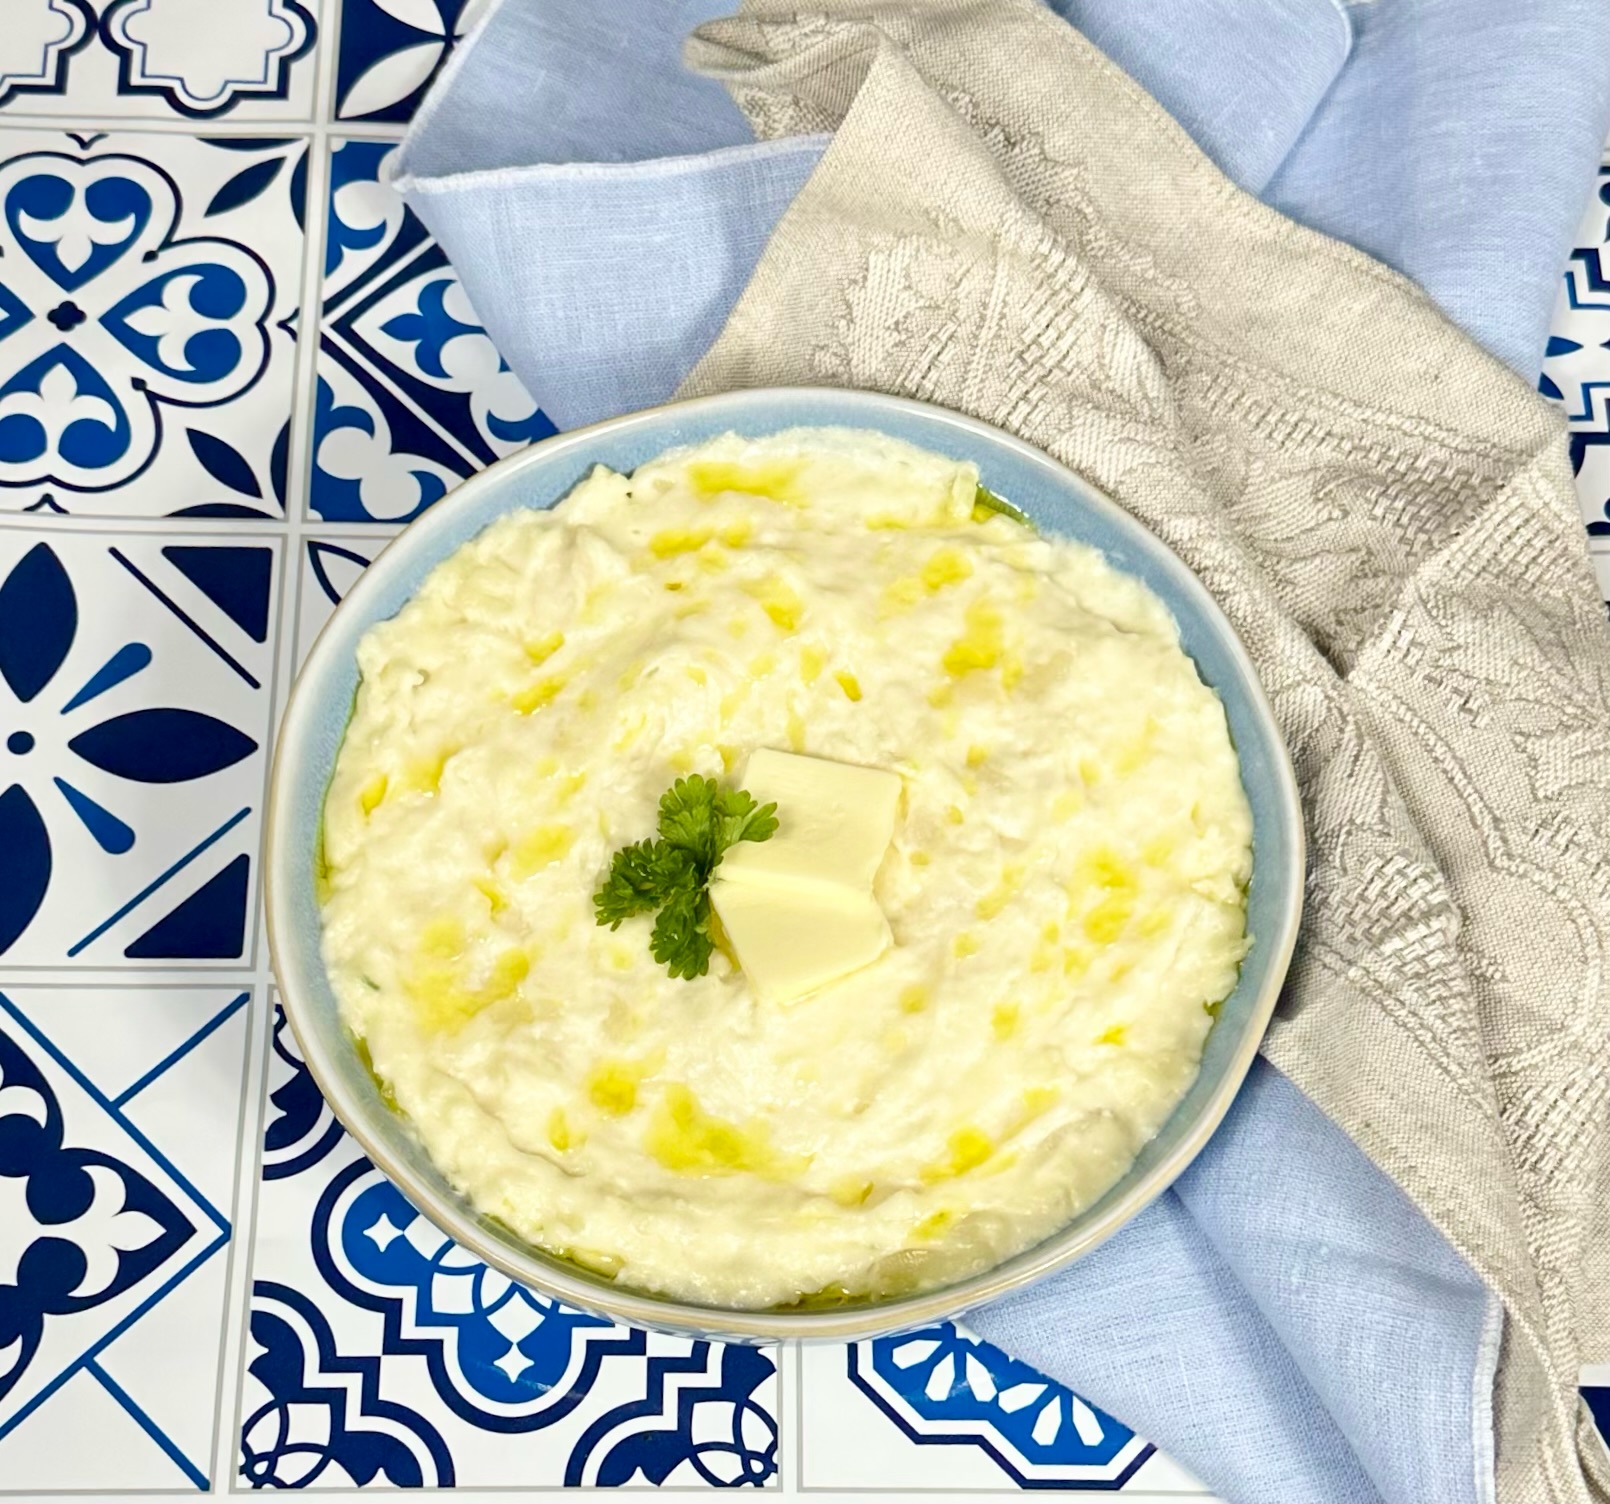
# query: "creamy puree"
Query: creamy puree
{"points": [[1065, 884]]}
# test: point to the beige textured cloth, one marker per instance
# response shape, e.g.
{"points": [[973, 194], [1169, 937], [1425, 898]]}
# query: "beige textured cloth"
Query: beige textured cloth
{"points": [[1006, 225]]}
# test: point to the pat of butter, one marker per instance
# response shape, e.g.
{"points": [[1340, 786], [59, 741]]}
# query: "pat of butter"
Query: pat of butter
{"points": [[799, 908], [792, 937], [834, 820]]}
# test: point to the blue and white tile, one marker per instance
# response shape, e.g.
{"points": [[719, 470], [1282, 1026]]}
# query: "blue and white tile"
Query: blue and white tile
{"points": [[148, 286], [1576, 371], [411, 394], [38, 46], [120, 1113], [160, 59], [135, 682], [1596, 1391], [940, 1408], [391, 50], [331, 565], [381, 1352]]}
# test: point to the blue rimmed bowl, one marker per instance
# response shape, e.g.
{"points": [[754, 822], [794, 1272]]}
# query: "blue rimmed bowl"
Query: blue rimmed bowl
{"points": [[1058, 503]]}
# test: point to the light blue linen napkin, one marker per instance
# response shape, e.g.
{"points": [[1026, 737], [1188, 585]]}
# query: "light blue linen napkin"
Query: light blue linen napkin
{"points": [[604, 207], [1285, 1322]]}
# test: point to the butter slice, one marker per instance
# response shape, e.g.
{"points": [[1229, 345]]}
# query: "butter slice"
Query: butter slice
{"points": [[834, 820], [799, 908], [792, 937]]}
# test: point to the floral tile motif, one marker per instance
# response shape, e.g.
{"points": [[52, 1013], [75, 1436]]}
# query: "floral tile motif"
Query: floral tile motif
{"points": [[392, 49], [411, 395], [146, 359], [194, 59], [134, 703], [941, 1408], [381, 1352], [1576, 370], [942, 1383], [119, 1132]]}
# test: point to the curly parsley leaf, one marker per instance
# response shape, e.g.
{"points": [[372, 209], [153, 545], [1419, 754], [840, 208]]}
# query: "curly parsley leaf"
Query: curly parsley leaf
{"points": [[739, 818], [698, 821], [688, 818], [681, 939], [641, 878]]}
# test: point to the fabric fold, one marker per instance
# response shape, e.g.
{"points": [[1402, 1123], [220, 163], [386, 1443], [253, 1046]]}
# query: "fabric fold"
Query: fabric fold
{"points": [[568, 136], [1456, 145], [1411, 130], [571, 81], [615, 318], [1244, 77], [1298, 1272]]}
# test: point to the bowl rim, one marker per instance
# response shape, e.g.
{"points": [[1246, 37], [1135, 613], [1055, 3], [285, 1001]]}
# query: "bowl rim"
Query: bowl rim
{"points": [[850, 1322]]}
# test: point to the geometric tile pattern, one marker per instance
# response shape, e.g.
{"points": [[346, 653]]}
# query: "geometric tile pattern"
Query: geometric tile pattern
{"points": [[942, 1385], [391, 50], [1576, 371], [393, 1355], [135, 684], [330, 565], [160, 59], [940, 1410], [411, 394], [232, 365], [119, 1122], [1598, 1398]]}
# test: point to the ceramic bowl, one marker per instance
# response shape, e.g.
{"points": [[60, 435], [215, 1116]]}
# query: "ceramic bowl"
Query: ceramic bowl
{"points": [[1057, 502]]}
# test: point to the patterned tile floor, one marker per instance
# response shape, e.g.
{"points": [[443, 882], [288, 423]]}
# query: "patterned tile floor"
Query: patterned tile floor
{"points": [[231, 366]]}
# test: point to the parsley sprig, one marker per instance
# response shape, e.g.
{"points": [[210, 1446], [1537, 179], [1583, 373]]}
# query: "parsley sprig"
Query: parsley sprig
{"points": [[699, 820]]}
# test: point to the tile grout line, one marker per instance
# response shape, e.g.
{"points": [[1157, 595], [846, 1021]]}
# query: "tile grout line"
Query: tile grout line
{"points": [[235, 1333], [234, 1343], [255, 1011]]}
